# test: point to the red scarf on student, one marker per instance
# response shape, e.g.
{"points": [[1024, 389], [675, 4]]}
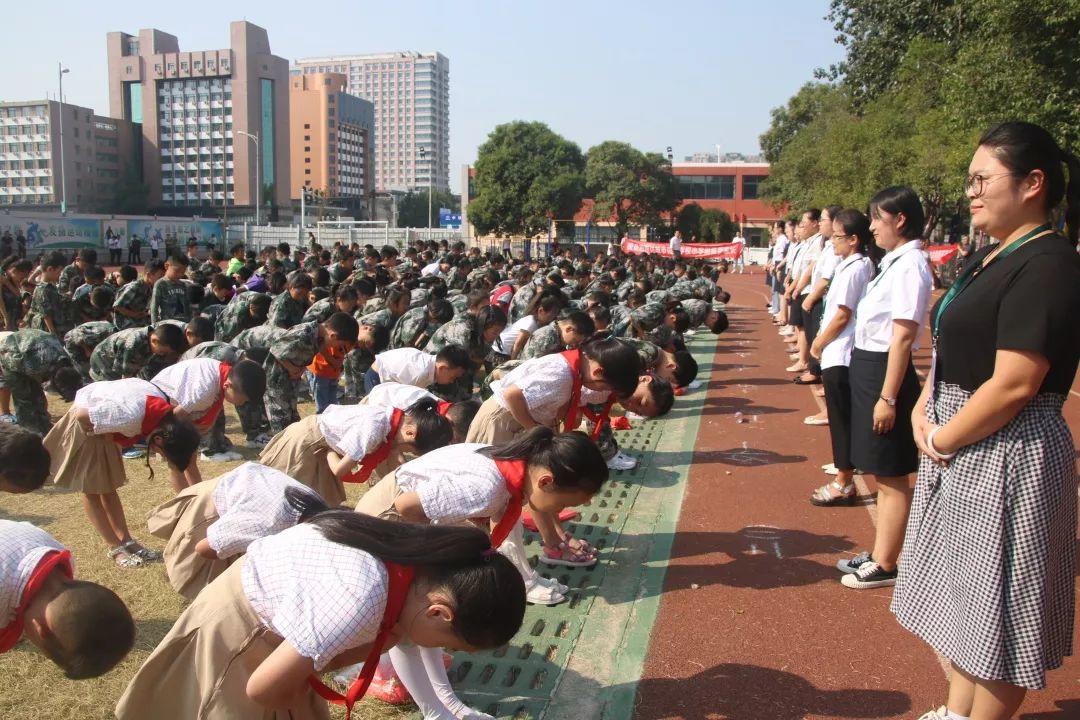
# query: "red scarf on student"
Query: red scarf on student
{"points": [[155, 411], [573, 411], [211, 414], [9, 636], [513, 472], [401, 577], [376, 456], [599, 417], [444, 407]]}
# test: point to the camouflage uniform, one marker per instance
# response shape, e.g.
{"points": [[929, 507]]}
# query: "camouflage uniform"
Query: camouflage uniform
{"points": [[209, 269], [682, 290], [460, 303], [520, 303], [648, 317], [620, 316], [320, 310], [28, 358], [123, 354], [623, 290], [459, 331], [359, 359], [47, 302], [410, 327], [658, 296], [372, 306], [235, 318], [697, 310], [70, 278], [253, 418], [339, 272], [169, 301], [662, 336], [80, 341], [82, 310], [647, 351], [297, 346], [134, 296], [214, 350], [285, 311], [457, 280], [545, 341]]}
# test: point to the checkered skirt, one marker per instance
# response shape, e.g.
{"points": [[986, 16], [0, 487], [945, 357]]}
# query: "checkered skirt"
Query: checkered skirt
{"points": [[989, 560]]}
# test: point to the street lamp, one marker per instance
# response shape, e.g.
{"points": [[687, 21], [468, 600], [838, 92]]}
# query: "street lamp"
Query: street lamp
{"points": [[60, 110], [258, 172], [423, 154]]}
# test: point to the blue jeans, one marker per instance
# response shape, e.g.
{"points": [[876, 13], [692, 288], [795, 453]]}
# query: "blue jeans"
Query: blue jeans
{"points": [[323, 390], [371, 379]]}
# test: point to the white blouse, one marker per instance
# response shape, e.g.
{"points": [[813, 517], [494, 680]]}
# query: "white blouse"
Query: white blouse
{"points": [[117, 406], [321, 597], [847, 286], [354, 430], [394, 395], [193, 385], [22, 547], [505, 342], [408, 366], [455, 483], [545, 382], [250, 503], [900, 291]]}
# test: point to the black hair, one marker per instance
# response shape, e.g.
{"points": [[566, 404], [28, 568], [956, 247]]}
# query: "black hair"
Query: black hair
{"points": [[663, 395], [686, 368], [432, 429], [93, 272], [249, 379], [854, 223], [600, 314], [92, 630], [201, 327], [178, 258], [101, 297], [88, 255], [196, 292], [490, 316], [547, 299], [236, 247], [301, 281], [179, 441], [364, 286], [346, 292], [581, 321], [440, 311], [620, 362], [344, 325], [486, 589], [461, 415], [53, 258], [24, 461], [18, 264], [476, 299], [682, 318], [832, 210], [380, 338], [222, 281], [245, 272], [814, 213], [66, 381], [154, 266], [283, 247], [721, 323], [171, 336], [320, 277], [572, 457], [457, 356], [317, 294], [1024, 147], [396, 295], [897, 200], [277, 282]]}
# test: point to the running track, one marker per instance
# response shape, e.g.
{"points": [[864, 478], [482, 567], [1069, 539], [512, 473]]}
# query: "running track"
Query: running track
{"points": [[754, 624]]}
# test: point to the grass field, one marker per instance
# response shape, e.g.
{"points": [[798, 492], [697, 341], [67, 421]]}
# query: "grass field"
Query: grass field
{"points": [[32, 687]]}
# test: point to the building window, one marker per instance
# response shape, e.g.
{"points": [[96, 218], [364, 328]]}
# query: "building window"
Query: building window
{"points": [[750, 186], [307, 171], [707, 187], [307, 126]]}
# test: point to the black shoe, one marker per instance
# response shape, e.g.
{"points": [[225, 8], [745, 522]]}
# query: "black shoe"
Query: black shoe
{"points": [[851, 565], [869, 576]]}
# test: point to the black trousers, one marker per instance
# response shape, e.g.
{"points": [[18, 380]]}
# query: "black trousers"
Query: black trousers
{"points": [[813, 327], [838, 402]]}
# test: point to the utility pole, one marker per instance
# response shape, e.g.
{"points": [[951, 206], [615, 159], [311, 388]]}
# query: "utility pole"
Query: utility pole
{"points": [[60, 110]]}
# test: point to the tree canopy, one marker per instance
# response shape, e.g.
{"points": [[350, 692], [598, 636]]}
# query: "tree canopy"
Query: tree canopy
{"points": [[635, 188], [412, 210]]}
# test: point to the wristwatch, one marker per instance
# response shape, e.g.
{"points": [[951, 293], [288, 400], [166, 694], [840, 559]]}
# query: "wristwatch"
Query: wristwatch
{"points": [[891, 402]]}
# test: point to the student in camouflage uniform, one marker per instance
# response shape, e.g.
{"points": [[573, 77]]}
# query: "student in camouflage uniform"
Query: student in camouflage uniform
{"points": [[415, 328], [131, 308], [169, 300], [80, 341], [246, 310], [288, 308], [72, 276], [475, 333], [572, 328], [127, 353], [255, 343], [344, 300], [28, 359], [47, 311], [359, 360]]}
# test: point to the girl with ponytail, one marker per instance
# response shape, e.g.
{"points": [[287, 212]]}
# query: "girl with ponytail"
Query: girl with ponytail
{"points": [[337, 589], [478, 482], [85, 446], [322, 451]]}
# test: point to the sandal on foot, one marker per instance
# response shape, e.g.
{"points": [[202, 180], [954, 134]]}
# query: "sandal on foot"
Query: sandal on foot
{"points": [[566, 556], [122, 558], [795, 368], [815, 420], [833, 493], [144, 554]]}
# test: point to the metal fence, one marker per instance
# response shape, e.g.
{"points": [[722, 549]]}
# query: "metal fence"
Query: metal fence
{"points": [[257, 237]]}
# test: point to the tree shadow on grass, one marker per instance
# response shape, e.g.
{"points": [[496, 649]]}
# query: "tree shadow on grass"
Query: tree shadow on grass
{"points": [[39, 520]]}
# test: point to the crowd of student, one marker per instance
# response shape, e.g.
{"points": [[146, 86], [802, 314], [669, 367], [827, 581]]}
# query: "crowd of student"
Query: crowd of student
{"points": [[454, 382], [981, 550]]}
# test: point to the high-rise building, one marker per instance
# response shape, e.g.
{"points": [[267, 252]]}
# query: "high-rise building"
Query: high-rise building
{"points": [[411, 94], [215, 123], [332, 139], [97, 152]]}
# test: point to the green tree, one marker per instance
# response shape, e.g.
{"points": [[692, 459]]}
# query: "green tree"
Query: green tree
{"points": [[633, 187], [526, 175], [803, 108], [412, 210], [706, 225]]}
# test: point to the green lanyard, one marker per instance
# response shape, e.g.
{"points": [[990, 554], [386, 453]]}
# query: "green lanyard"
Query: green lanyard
{"points": [[974, 269]]}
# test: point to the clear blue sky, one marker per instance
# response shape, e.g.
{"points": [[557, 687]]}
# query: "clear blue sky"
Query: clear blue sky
{"points": [[689, 74]]}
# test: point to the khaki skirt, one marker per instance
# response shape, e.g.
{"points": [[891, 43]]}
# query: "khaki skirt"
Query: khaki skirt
{"points": [[379, 500], [299, 451], [182, 522], [85, 463], [201, 668], [493, 424]]}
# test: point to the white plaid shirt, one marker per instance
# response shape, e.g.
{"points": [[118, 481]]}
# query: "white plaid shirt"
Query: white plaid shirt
{"points": [[395, 395], [117, 406], [545, 382], [22, 546], [250, 503], [408, 366], [193, 385], [354, 430], [321, 597], [455, 483]]}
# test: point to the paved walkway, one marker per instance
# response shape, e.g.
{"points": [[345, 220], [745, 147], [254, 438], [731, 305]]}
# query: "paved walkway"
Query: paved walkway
{"points": [[753, 622]]}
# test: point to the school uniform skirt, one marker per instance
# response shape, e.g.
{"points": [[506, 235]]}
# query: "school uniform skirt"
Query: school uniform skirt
{"points": [[379, 500], [83, 462], [182, 522], [299, 451], [200, 670], [838, 402], [894, 453], [987, 573], [493, 424]]}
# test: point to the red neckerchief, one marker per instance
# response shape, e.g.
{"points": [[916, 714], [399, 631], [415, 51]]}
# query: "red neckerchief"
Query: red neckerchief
{"points": [[573, 411], [211, 414], [155, 411], [376, 456], [513, 472], [599, 417], [9, 636], [443, 407], [401, 577]]}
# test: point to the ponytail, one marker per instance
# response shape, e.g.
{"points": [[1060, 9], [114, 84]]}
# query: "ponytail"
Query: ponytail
{"points": [[432, 429], [486, 590], [619, 361], [179, 441], [572, 457], [306, 503]]}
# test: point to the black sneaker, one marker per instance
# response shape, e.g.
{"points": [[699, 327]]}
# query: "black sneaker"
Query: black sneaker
{"points": [[869, 576], [850, 565]]}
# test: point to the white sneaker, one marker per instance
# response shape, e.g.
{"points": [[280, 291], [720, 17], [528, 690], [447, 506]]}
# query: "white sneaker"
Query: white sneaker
{"points": [[258, 442], [634, 417], [694, 385], [622, 461], [537, 593], [225, 456], [940, 714], [8, 418]]}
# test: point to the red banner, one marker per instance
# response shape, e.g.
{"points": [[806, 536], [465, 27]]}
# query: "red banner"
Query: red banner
{"points": [[941, 254], [709, 251]]}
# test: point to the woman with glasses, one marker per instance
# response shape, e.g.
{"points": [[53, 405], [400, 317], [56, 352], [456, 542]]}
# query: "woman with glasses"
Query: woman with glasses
{"points": [[989, 563], [884, 386]]}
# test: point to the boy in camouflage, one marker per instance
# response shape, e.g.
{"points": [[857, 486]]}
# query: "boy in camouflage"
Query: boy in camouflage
{"points": [[47, 311], [288, 308], [344, 300], [415, 328], [475, 333], [127, 353], [28, 359], [72, 276], [169, 300], [131, 308], [80, 341], [569, 330], [93, 300], [359, 360], [246, 310]]}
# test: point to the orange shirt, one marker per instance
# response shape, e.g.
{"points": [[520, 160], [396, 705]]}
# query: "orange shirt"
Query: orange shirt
{"points": [[321, 365]]}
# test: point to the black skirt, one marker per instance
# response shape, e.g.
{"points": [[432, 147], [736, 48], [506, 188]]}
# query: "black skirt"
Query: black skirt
{"points": [[795, 313], [894, 453], [838, 402]]}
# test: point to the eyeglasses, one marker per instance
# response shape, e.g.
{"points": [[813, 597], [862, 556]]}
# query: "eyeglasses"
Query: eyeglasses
{"points": [[975, 185]]}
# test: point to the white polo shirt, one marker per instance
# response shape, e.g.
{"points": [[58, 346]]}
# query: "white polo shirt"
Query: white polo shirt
{"points": [[455, 483], [193, 385], [810, 255], [117, 406], [407, 365], [825, 265], [779, 249], [901, 291], [848, 284], [22, 547], [392, 395], [675, 243], [505, 342], [250, 503]]}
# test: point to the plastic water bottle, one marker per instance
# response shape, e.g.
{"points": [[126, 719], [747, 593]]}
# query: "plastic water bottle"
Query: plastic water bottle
{"points": [[739, 417]]}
